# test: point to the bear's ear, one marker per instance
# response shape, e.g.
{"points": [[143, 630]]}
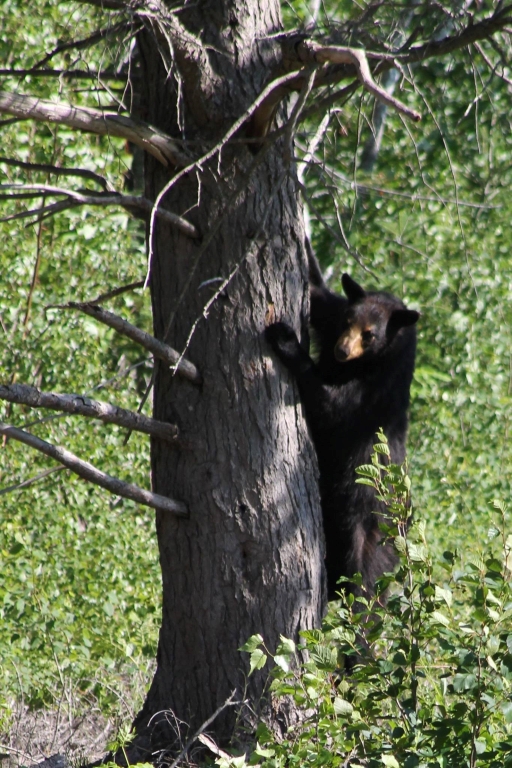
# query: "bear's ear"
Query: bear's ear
{"points": [[353, 290], [403, 317]]}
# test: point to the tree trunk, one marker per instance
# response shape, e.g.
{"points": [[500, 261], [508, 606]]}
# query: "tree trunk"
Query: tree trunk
{"points": [[250, 557]]}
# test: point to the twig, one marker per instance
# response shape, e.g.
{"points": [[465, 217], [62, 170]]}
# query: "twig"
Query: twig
{"points": [[57, 170], [31, 480], [143, 135], [157, 348], [116, 292], [66, 74], [80, 405], [227, 703], [80, 45], [296, 111], [93, 475]]}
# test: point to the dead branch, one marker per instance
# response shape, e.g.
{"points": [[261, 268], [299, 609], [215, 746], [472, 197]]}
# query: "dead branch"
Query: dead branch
{"points": [[93, 475], [333, 54], [158, 348], [93, 198], [116, 292], [80, 45], [22, 394], [473, 33], [30, 480], [65, 74], [141, 134], [228, 703], [57, 170]]}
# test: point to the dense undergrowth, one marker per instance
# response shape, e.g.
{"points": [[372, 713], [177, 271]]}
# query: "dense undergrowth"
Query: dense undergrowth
{"points": [[432, 669]]}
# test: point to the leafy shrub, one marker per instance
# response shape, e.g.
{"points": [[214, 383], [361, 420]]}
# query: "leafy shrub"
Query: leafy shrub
{"points": [[431, 681]]}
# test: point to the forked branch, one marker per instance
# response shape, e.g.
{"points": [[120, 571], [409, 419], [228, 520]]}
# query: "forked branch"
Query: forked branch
{"points": [[93, 475], [129, 202], [157, 348], [334, 54], [22, 394], [94, 121]]}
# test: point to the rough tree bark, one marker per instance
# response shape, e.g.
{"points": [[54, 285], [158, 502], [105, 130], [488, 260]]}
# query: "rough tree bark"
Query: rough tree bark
{"points": [[250, 557]]}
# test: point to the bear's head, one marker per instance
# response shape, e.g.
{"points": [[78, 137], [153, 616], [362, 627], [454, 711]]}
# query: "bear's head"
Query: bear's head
{"points": [[369, 323]]}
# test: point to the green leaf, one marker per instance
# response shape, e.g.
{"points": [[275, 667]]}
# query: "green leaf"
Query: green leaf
{"points": [[282, 662], [390, 761], [286, 645], [368, 470], [443, 595], [251, 644], [441, 618], [258, 660], [506, 708], [342, 707]]}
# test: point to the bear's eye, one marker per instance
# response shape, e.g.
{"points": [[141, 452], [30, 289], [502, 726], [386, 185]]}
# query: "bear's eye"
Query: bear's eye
{"points": [[367, 336]]}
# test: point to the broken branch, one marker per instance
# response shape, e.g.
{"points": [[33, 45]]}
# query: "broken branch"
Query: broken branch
{"points": [[22, 394], [88, 472], [158, 348], [112, 198], [94, 121], [356, 57]]}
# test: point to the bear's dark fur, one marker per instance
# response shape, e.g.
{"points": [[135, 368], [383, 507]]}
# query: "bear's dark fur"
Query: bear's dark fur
{"points": [[359, 384]]}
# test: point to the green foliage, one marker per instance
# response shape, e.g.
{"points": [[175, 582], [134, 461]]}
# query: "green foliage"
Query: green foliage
{"points": [[80, 581], [430, 682]]}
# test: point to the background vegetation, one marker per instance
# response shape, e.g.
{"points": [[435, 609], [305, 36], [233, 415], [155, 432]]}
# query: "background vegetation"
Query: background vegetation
{"points": [[79, 585]]}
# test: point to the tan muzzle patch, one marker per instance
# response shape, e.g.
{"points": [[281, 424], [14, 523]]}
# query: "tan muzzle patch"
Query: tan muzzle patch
{"points": [[349, 345]]}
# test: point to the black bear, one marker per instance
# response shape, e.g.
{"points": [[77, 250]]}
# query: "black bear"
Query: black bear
{"points": [[359, 384]]}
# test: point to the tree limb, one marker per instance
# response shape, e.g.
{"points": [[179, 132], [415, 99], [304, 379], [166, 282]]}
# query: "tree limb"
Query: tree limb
{"points": [[80, 45], [143, 135], [356, 57], [158, 348], [93, 475], [80, 405], [299, 49], [474, 32], [65, 74], [93, 198], [58, 170]]}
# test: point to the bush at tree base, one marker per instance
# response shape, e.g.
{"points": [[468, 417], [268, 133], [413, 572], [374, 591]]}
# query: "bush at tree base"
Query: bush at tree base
{"points": [[431, 686]]}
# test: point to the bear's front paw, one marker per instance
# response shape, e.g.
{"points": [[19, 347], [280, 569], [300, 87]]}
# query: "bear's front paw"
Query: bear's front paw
{"points": [[283, 340]]}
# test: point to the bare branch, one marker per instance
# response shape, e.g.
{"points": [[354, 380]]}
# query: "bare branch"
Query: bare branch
{"points": [[93, 475], [356, 57], [107, 5], [84, 406], [80, 45], [30, 480], [117, 292], [57, 170], [228, 703], [65, 74], [93, 198], [163, 351], [94, 121], [474, 32]]}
